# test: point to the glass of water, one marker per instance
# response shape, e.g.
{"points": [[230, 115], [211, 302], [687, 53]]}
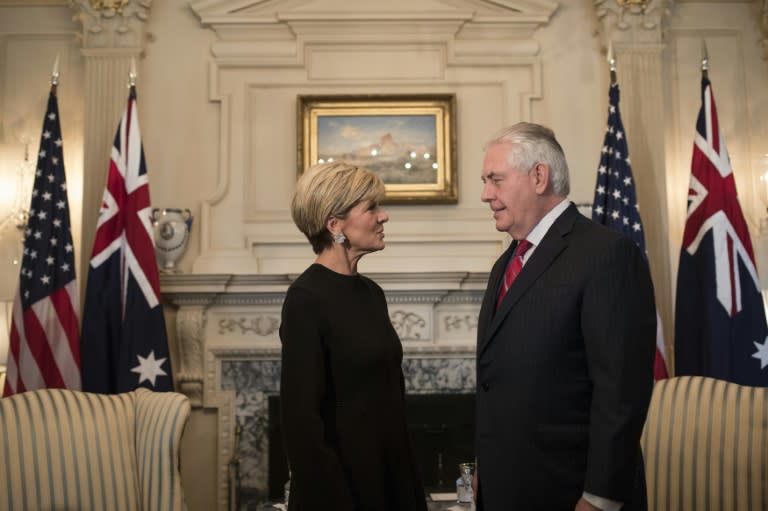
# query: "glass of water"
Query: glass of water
{"points": [[466, 471]]}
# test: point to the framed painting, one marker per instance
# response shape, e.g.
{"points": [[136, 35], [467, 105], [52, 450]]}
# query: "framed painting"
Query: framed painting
{"points": [[408, 140]]}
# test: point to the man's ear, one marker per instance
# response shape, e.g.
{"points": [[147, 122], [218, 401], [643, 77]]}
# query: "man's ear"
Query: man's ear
{"points": [[541, 177]]}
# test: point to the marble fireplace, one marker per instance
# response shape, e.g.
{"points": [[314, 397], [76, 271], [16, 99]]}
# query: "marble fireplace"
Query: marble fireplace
{"points": [[227, 331]]}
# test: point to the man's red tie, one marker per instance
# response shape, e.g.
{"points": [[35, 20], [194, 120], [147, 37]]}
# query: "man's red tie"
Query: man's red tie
{"points": [[513, 268]]}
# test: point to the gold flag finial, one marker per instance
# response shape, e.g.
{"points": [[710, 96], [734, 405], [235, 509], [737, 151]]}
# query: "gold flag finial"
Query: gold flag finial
{"points": [[132, 73], [55, 72], [611, 62]]}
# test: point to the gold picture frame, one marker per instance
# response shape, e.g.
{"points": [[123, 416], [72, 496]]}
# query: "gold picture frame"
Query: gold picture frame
{"points": [[408, 140]]}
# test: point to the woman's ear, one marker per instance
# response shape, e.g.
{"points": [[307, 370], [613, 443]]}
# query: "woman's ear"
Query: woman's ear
{"points": [[332, 224]]}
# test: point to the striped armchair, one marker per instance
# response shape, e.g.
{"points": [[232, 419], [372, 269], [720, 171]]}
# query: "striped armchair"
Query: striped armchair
{"points": [[706, 446], [68, 450]]}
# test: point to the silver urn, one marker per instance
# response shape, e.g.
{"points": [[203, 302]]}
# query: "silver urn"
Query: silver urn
{"points": [[171, 232]]}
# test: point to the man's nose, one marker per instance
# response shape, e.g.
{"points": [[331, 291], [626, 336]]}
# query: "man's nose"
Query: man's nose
{"points": [[485, 193]]}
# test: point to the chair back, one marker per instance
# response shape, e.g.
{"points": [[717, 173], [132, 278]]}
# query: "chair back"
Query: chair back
{"points": [[63, 449], [705, 445]]}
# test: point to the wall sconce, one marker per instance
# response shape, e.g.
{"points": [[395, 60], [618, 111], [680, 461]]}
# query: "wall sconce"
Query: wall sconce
{"points": [[16, 193]]}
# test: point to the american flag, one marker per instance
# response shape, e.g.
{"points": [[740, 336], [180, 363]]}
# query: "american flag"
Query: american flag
{"points": [[44, 341], [124, 342], [720, 326], [615, 204]]}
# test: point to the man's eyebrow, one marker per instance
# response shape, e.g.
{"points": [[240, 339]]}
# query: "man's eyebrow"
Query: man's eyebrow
{"points": [[490, 175]]}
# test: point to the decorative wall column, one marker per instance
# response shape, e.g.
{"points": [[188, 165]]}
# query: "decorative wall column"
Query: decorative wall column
{"points": [[634, 29], [113, 34]]}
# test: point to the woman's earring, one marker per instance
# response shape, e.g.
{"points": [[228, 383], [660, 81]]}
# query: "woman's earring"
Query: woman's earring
{"points": [[338, 237]]}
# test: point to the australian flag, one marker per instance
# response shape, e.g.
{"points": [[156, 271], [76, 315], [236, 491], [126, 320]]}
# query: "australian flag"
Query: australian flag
{"points": [[615, 204], [123, 341], [720, 327]]}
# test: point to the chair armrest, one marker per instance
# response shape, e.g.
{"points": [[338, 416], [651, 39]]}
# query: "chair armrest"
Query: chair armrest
{"points": [[160, 421]]}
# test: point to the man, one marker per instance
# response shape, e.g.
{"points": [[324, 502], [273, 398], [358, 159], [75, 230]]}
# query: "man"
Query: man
{"points": [[565, 347]]}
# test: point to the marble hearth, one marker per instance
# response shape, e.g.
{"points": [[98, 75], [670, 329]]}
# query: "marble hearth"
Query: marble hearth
{"points": [[227, 330]]}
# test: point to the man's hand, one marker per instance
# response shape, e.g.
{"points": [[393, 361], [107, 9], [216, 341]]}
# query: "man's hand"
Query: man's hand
{"points": [[474, 484], [583, 505]]}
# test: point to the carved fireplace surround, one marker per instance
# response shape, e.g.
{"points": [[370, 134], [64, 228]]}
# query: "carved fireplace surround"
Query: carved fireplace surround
{"points": [[227, 331]]}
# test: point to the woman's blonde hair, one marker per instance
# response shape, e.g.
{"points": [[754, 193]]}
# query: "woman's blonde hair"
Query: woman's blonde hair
{"points": [[331, 190]]}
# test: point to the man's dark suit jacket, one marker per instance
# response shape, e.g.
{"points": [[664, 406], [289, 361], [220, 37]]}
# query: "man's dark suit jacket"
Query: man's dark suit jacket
{"points": [[564, 371]]}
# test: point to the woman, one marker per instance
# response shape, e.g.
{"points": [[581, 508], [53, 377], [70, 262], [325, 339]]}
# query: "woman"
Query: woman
{"points": [[342, 389]]}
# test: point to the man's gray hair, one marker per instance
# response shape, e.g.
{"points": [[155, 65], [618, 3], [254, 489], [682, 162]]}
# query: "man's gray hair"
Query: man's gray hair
{"points": [[531, 144]]}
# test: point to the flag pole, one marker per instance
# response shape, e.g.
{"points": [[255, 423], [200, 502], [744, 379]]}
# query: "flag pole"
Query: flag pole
{"points": [[704, 60], [612, 63]]}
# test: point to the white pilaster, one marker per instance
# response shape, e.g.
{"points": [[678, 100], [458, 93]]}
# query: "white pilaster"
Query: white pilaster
{"points": [[110, 40]]}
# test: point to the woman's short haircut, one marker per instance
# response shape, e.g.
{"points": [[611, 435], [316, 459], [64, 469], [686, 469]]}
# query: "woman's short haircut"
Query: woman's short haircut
{"points": [[331, 190], [531, 144]]}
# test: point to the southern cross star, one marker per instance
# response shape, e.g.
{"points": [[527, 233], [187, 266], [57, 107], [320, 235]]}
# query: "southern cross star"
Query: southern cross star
{"points": [[149, 368]]}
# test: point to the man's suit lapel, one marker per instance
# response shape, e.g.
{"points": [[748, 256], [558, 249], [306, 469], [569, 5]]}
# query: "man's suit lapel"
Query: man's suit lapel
{"points": [[492, 292], [553, 243]]}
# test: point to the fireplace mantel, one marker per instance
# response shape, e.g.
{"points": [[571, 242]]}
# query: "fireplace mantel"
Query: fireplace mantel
{"points": [[229, 349]]}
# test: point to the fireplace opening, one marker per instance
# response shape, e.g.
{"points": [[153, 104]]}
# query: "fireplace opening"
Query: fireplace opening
{"points": [[442, 432]]}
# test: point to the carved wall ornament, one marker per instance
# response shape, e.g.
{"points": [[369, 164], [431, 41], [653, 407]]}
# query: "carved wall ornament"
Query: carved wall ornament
{"points": [[408, 325], [262, 325], [109, 7], [112, 23], [630, 3], [630, 16], [460, 322]]}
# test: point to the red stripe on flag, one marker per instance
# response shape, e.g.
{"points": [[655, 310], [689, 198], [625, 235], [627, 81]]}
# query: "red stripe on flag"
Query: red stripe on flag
{"points": [[41, 351], [139, 240], [714, 123], [659, 367], [68, 320], [112, 228]]}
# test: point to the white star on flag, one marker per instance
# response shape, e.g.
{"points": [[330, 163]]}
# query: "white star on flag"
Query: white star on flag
{"points": [[149, 368], [762, 353]]}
